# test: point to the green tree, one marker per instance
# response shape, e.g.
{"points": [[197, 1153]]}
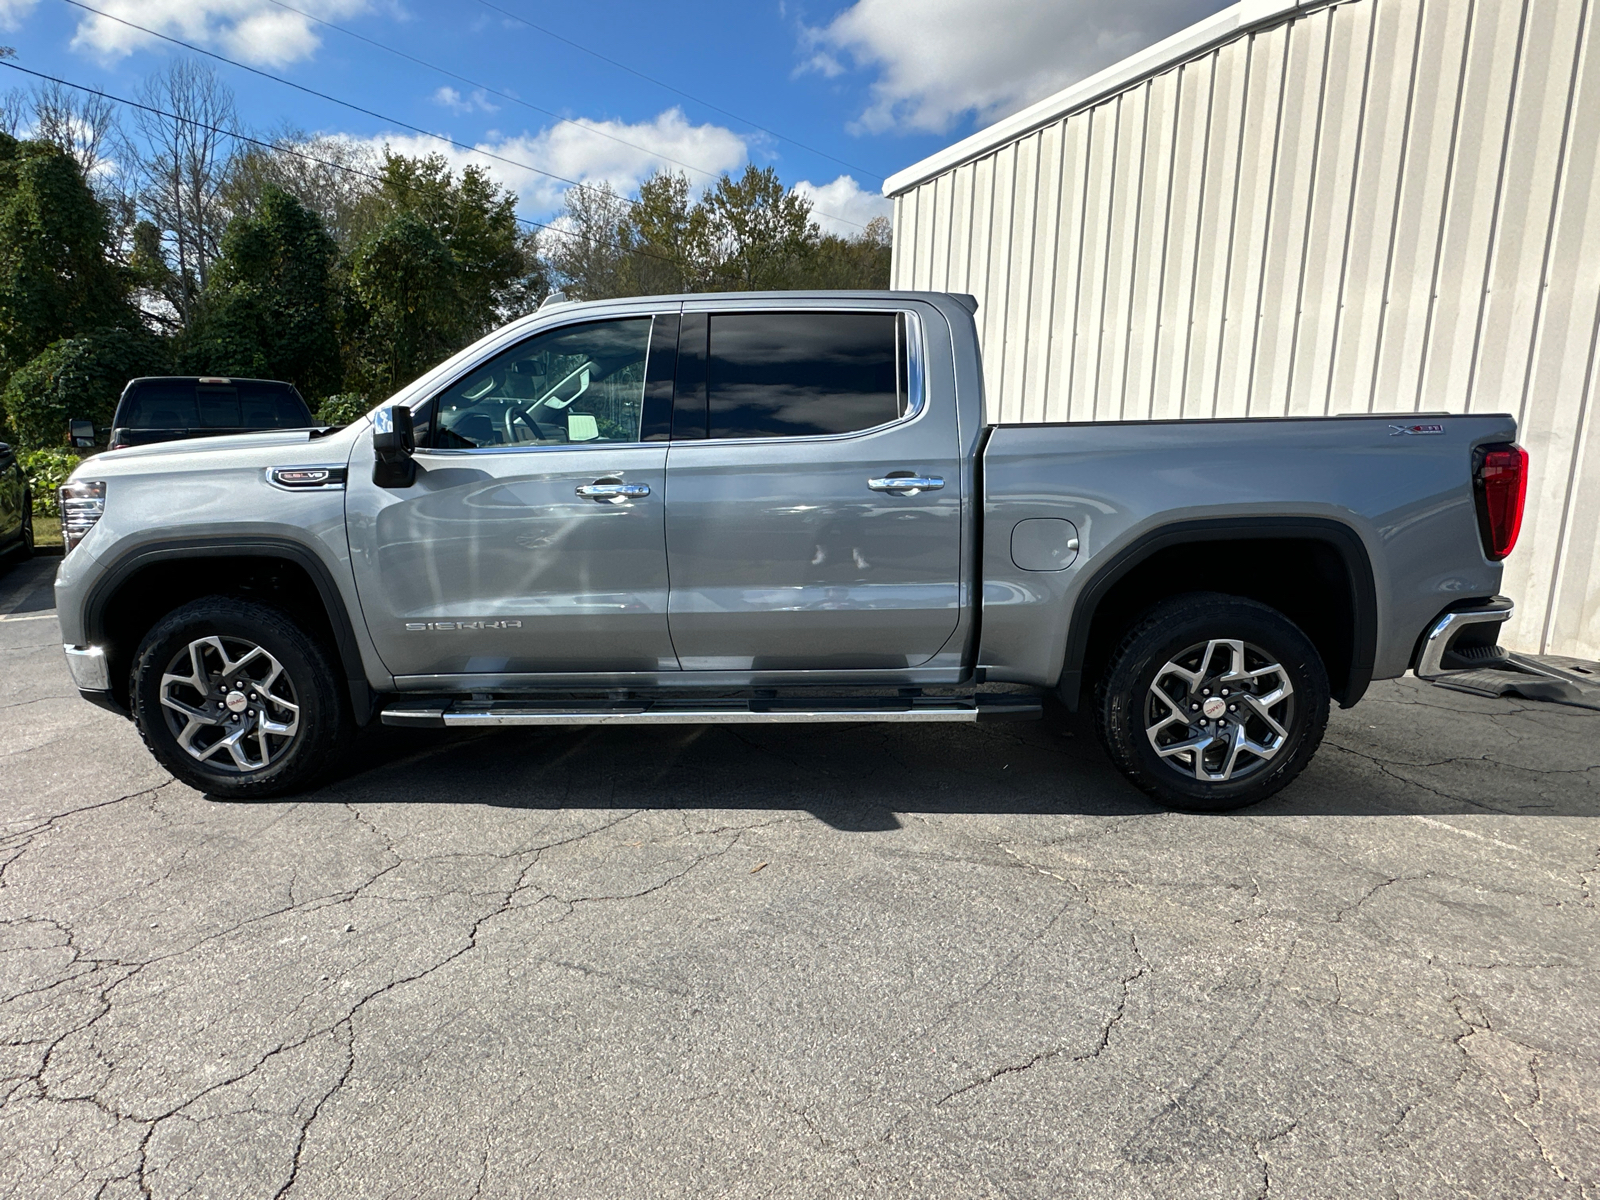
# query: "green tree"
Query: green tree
{"points": [[441, 264], [671, 237], [334, 176], [761, 234], [851, 263], [403, 278], [55, 279], [77, 379], [271, 306], [744, 234], [592, 251]]}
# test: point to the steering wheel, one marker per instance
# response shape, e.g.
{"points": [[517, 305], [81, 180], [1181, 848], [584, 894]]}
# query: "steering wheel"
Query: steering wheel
{"points": [[509, 419]]}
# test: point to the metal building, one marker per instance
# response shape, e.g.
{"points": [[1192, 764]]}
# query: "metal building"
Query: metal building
{"points": [[1307, 208]]}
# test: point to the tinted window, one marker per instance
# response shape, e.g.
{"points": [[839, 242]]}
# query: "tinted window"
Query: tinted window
{"points": [[159, 406], [800, 374], [580, 383], [179, 404]]}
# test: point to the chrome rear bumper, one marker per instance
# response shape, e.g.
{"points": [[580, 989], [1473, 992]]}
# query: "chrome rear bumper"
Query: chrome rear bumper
{"points": [[1449, 626]]}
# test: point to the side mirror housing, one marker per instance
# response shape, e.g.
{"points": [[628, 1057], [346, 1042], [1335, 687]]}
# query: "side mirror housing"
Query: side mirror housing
{"points": [[81, 434], [393, 442]]}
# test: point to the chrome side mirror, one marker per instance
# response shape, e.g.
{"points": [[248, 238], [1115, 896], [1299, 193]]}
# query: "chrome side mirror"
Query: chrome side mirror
{"points": [[393, 443]]}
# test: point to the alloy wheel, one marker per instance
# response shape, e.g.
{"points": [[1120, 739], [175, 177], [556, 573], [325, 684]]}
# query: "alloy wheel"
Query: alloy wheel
{"points": [[230, 704], [1219, 711]]}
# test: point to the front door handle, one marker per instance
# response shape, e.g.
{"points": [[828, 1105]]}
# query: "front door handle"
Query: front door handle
{"points": [[909, 484], [612, 491]]}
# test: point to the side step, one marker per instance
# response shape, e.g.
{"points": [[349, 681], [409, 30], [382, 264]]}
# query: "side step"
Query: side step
{"points": [[434, 713]]}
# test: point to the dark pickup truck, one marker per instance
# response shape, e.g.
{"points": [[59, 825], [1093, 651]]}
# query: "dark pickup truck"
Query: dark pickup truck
{"points": [[171, 408]]}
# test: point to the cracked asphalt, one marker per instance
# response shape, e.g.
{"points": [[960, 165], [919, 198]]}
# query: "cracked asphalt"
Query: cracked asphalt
{"points": [[875, 961]]}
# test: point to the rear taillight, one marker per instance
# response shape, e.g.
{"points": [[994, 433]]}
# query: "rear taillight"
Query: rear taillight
{"points": [[1500, 483]]}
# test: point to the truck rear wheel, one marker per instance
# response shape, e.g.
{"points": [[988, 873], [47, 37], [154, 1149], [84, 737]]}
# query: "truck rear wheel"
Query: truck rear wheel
{"points": [[1212, 702], [236, 700]]}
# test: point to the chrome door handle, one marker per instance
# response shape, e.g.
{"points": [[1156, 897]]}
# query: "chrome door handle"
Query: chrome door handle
{"points": [[610, 489], [906, 483]]}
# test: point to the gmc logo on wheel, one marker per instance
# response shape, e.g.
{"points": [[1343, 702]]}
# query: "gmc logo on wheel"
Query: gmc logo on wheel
{"points": [[443, 626]]}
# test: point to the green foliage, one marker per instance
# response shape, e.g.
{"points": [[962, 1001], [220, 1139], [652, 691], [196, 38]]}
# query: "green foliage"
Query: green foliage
{"points": [[761, 234], [77, 379], [272, 301], [744, 234], [56, 280], [850, 264], [47, 470], [442, 264], [343, 408]]}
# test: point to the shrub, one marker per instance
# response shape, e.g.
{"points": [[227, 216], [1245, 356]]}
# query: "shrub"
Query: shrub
{"points": [[343, 408], [77, 378], [46, 471]]}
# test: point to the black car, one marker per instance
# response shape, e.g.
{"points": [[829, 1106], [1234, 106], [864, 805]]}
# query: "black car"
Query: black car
{"points": [[167, 408], [16, 506]]}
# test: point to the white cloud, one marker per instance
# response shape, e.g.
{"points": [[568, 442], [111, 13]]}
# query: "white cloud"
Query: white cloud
{"points": [[12, 13], [939, 59], [256, 31], [478, 101], [842, 207], [571, 151]]}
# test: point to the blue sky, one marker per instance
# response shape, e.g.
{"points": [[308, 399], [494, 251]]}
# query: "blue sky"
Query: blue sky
{"points": [[853, 90]]}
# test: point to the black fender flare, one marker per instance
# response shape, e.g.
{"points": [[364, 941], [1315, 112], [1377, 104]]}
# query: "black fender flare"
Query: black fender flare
{"points": [[1345, 540], [344, 635]]}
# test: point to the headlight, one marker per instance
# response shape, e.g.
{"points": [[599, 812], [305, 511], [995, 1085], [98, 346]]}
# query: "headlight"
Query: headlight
{"points": [[83, 502]]}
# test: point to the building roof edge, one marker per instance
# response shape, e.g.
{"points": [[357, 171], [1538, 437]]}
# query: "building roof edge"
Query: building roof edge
{"points": [[1152, 60]]}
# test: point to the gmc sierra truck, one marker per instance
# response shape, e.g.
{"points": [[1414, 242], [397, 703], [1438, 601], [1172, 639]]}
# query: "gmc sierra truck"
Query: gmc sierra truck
{"points": [[776, 507]]}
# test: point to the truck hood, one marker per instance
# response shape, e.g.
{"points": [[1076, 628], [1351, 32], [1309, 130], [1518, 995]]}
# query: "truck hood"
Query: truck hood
{"points": [[229, 453], [210, 445]]}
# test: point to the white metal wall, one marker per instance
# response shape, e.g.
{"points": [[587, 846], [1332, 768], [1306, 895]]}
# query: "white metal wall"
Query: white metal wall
{"points": [[1376, 206]]}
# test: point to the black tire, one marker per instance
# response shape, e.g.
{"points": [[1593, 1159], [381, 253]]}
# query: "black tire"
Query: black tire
{"points": [[275, 764], [25, 552], [1195, 634]]}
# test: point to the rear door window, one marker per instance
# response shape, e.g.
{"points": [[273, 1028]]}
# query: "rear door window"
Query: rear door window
{"points": [[801, 374]]}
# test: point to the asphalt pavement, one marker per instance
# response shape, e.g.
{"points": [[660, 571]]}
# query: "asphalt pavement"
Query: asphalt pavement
{"points": [[875, 961]]}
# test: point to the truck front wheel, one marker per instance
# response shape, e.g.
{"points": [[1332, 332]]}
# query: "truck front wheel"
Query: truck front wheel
{"points": [[236, 700], [1212, 702]]}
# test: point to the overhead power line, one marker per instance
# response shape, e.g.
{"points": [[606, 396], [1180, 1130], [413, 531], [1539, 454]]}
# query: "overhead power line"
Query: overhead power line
{"points": [[279, 148], [449, 74], [310, 91], [621, 66]]}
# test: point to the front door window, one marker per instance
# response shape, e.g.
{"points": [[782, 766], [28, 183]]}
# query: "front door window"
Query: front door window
{"points": [[574, 385]]}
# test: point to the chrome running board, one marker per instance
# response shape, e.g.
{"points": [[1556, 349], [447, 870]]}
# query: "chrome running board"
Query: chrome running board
{"points": [[447, 714]]}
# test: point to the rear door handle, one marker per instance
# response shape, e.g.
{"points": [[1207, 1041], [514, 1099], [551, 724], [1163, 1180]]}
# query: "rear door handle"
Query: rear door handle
{"points": [[612, 491], [911, 484]]}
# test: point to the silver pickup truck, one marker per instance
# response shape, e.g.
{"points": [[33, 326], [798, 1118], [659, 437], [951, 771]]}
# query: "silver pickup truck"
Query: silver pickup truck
{"points": [[776, 507]]}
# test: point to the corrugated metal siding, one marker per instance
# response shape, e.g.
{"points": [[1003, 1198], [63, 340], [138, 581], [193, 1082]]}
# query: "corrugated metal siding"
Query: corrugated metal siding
{"points": [[1377, 205]]}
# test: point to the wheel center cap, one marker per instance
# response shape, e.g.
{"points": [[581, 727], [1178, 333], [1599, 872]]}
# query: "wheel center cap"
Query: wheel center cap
{"points": [[1213, 708], [236, 702]]}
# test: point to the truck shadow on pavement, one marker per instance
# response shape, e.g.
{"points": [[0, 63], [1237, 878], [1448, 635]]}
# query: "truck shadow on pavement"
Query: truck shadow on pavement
{"points": [[1377, 760]]}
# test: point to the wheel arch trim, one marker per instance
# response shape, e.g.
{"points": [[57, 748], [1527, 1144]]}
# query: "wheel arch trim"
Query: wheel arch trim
{"points": [[1342, 537], [344, 634]]}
